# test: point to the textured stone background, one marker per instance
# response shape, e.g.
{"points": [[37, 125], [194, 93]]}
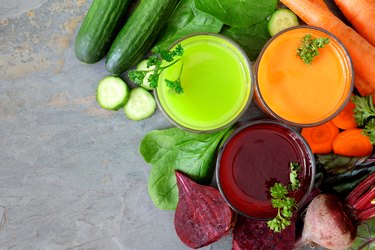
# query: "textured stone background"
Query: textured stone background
{"points": [[70, 174]]}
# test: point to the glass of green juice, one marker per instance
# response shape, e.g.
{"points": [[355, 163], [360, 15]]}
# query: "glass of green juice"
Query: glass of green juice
{"points": [[217, 82]]}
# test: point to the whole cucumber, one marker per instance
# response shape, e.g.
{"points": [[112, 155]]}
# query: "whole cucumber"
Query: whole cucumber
{"points": [[102, 23], [138, 34]]}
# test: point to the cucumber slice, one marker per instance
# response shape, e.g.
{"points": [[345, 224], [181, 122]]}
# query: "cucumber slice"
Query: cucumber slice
{"points": [[143, 66], [112, 93], [281, 19], [141, 104]]}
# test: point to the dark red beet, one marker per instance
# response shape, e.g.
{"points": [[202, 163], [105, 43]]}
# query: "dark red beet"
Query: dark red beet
{"points": [[250, 234], [202, 216]]}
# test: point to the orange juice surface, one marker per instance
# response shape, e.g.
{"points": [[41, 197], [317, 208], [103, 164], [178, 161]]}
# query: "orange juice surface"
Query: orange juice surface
{"points": [[299, 93]]}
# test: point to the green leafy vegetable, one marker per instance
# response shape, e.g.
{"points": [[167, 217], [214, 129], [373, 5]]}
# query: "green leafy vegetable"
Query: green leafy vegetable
{"points": [[309, 49], [364, 109], [285, 206], [238, 13], [369, 130], [156, 63], [251, 38], [295, 167], [175, 149], [187, 19], [341, 184], [334, 163], [365, 236]]}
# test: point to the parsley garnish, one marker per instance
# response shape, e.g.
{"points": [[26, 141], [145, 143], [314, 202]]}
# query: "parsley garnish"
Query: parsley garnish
{"points": [[364, 114], [364, 109], [309, 49], [369, 130], [295, 167], [285, 206], [154, 66]]}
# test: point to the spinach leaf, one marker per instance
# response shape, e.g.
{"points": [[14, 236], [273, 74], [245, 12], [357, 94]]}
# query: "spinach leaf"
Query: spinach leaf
{"points": [[251, 38], [365, 236], [187, 19], [238, 13], [174, 149]]}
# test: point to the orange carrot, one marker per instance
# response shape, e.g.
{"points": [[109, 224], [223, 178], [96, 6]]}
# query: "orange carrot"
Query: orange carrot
{"points": [[363, 88], [345, 119], [320, 137], [361, 14], [360, 50], [353, 143]]}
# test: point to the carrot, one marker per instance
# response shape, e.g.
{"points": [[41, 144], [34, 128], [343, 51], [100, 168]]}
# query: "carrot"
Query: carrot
{"points": [[361, 14], [361, 51], [353, 143], [363, 88], [320, 137], [345, 119]]}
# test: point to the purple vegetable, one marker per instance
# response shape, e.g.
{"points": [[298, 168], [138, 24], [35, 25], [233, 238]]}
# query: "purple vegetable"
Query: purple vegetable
{"points": [[251, 234], [202, 216], [332, 223]]}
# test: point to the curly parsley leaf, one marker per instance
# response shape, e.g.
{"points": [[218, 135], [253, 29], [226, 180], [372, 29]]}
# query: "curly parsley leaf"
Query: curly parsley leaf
{"points": [[278, 191], [155, 65], [364, 109], [309, 49], [137, 76], [285, 206], [369, 130], [295, 167]]}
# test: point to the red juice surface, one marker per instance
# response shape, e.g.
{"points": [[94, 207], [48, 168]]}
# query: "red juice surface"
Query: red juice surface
{"points": [[254, 159]]}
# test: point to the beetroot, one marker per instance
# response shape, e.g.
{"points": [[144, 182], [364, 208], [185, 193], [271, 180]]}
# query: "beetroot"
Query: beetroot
{"points": [[202, 215], [332, 223], [328, 224], [255, 234]]}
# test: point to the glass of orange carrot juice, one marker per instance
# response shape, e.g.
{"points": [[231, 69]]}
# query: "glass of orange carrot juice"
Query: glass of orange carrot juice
{"points": [[303, 94]]}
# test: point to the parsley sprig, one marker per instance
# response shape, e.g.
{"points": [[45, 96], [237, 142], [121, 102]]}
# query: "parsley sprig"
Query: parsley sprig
{"points": [[364, 114], [285, 206], [309, 49], [295, 167], [155, 67], [364, 109]]}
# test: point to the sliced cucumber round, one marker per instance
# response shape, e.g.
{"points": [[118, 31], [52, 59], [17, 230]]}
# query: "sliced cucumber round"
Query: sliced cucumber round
{"points": [[281, 19], [141, 104], [112, 93], [143, 66]]}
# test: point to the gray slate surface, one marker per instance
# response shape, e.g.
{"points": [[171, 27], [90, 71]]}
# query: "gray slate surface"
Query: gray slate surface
{"points": [[70, 174]]}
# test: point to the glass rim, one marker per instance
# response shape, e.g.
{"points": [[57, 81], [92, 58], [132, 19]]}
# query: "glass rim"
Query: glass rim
{"points": [[309, 152], [310, 124], [246, 102]]}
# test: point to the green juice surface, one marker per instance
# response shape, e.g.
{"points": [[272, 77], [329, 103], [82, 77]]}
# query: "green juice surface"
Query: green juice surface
{"points": [[216, 79]]}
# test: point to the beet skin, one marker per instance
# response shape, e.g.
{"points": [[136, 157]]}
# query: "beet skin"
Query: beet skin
{"points": [[328, 224], [202, 216]]}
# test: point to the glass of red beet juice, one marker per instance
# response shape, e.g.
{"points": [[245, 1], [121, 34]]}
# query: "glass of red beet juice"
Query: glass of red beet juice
{"points": [[254, 158]]}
